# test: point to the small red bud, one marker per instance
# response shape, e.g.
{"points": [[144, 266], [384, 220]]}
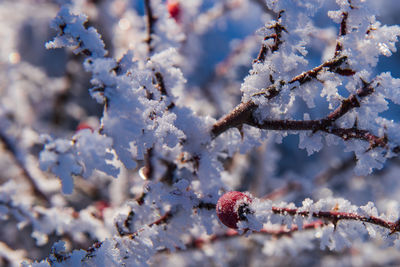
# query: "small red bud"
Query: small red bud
{"points": [[174, 9], [232, 207]]}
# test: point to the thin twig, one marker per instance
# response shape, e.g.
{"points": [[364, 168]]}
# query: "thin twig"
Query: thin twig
{"points": [[283, 191], [342, 32], [20, 161], [243, 112], [150, 20], [332, 171], [198, 243], [335, 216], [332, 216], [276, 36], [326, 124]]}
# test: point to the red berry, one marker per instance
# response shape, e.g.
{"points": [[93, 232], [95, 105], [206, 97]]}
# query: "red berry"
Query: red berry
{"points": [[83, 125], [232, 208], [174, 9]]}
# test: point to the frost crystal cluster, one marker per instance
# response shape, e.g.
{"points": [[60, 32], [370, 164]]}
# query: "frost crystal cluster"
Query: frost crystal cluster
{"points": [[199, 133]]}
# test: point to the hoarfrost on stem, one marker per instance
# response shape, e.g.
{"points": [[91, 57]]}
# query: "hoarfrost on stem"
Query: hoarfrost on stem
{"points": [[153, 118]]}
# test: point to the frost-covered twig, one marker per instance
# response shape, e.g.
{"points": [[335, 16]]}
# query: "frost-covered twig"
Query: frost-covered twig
{"points": [[153, 116], [19, 159], [241, 210], [342, 32], [276, 36], [322, 125], [242, 114], [336, 216], [275, 232]]}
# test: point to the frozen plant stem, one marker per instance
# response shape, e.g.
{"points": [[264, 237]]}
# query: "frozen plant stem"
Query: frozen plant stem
{"points": [[243, 113], [150, 20], [324, 217], [157, 120], [276, 36], [231, 233], [335, 216]]}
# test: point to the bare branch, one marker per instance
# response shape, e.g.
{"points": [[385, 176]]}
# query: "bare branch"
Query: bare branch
{"points": [[320, 125], [242, 114], [276, 36], [150, 20], [335, 216], [342, 32], [198, 243]]}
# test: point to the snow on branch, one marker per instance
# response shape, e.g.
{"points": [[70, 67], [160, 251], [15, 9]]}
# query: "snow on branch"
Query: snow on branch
{"points": [[349, 221], [244, 110], [73, 33], [86, 152], [157, 93]]}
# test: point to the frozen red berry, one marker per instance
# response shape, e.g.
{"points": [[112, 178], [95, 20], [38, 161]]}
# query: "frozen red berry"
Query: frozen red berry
{"points": [[83, 125], [174, 9], [232, 207]]}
